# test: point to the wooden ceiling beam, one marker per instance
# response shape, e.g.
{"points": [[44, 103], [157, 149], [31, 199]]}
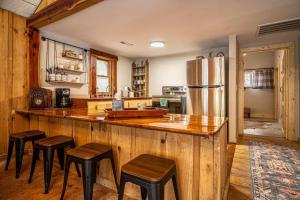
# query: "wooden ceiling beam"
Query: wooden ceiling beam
{"points": [[58, 10]]}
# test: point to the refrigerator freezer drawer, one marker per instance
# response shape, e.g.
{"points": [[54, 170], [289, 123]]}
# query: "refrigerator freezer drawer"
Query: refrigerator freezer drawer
{"points": [[206, 71], [207, 101]]}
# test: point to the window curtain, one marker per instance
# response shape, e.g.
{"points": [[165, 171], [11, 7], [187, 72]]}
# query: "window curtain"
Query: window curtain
{"points": [[259, 78]]}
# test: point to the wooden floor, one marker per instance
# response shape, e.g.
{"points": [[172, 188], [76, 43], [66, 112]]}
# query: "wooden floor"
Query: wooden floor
{"points": [[240, 177], [19, 189], [263, 127]]}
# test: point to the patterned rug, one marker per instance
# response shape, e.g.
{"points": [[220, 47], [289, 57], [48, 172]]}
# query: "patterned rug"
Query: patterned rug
{"points": [[275, 171]]}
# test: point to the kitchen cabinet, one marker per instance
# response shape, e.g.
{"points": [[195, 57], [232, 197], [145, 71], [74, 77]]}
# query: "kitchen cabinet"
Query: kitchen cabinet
{"points": [[98, 106], [95, 107], [134, 103]]}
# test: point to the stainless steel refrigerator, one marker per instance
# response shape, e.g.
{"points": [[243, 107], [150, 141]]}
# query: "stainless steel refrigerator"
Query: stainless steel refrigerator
{"points": [[206, 86]]}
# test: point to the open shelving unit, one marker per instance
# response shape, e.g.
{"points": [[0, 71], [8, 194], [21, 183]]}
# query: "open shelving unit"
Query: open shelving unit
{"points": [[140, 78], [66, 60]]}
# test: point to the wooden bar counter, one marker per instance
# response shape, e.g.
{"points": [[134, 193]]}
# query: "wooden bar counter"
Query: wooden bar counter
{"points": [[198, 144]]}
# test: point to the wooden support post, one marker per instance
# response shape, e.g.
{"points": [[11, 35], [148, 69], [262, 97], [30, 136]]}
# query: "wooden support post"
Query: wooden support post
{"points": [[34, 57]]}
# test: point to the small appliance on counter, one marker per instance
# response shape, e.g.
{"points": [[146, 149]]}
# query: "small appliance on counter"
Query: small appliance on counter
{"points": [[63, 99], [172, 98], [40, 98]]}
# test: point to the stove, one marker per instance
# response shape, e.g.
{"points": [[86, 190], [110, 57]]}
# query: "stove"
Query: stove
{"points": [[175, 96]]}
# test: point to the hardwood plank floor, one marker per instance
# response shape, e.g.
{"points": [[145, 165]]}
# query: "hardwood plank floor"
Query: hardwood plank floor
{"points": [[18, 189], [240, 187]]}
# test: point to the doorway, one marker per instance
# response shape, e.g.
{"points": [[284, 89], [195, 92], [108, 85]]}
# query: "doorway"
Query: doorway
{"points": [[263, 92], [266, 91]]}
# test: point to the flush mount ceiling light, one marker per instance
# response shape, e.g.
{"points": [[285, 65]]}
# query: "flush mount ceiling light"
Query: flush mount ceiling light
{"points": [[157, 44]]}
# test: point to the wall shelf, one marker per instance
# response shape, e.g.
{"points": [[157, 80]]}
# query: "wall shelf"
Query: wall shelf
{"points": [[66, 82], [71, 71], [70, 57]]}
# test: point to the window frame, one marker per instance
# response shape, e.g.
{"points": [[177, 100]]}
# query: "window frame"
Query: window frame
{"points": [[112, 72]]}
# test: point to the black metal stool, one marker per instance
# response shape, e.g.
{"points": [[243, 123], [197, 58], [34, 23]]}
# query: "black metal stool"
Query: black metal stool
{"points": [[20, 139], [88, 155], [151, 173], [48, 145]]}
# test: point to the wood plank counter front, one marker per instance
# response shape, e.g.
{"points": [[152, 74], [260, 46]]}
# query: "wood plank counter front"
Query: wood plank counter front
{"points": [[196, 143]]}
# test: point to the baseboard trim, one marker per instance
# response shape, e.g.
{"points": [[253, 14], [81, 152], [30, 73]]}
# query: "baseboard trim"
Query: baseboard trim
{"points": [[263, 116]]}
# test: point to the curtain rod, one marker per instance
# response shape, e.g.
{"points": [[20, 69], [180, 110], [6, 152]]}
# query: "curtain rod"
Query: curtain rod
{"points": [[44, 39]]}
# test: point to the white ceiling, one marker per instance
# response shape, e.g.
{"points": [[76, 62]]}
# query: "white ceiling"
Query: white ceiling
{"points": [[184, 25], [24, 8]]}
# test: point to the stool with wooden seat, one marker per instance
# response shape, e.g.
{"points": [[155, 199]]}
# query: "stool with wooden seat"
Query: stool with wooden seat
{"points": [[151, 173], [88, 155], [48, 145], [20, 140]]}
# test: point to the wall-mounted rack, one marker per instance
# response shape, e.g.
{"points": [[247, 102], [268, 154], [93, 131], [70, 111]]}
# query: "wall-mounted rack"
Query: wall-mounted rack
{"points": [[65, 63]]}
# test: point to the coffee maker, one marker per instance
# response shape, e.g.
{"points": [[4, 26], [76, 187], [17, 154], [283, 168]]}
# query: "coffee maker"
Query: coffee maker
{"points": [[63, 99]]}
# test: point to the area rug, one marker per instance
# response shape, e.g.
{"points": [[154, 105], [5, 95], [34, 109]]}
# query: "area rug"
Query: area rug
{"points": [[275, 171]]}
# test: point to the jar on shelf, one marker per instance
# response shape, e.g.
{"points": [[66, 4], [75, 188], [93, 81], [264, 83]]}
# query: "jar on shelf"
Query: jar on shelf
{"points": [[64, 77], [60, 65]]}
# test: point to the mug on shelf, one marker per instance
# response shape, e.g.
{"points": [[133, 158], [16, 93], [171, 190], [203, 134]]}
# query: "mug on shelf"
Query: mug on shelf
{"points": [[52, 77]]}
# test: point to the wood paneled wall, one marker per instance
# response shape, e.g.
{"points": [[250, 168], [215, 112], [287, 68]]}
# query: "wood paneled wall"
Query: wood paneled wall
{"points": [[13, 72]]}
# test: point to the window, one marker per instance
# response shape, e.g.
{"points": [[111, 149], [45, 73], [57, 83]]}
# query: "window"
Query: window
{"points": [[103, 74], [248, 78], [259, 78]]}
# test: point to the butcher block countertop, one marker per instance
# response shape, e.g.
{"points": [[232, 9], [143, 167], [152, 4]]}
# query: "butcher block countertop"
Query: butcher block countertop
{"points": [[185, 124]]}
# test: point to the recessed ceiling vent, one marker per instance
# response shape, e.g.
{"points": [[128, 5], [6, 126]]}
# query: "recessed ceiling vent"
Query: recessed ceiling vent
{"points": [[280, 26], [126, 43]]}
